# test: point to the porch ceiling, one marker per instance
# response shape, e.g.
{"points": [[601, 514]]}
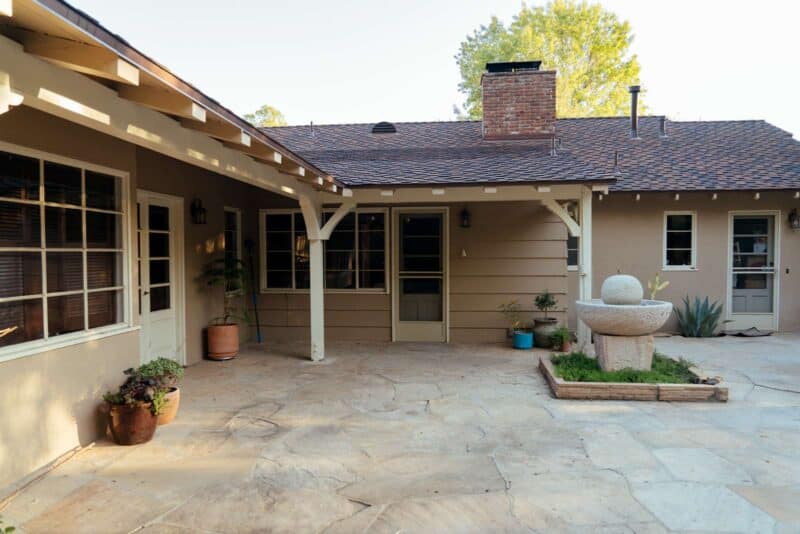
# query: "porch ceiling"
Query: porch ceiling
{"points": [[59, 34]]}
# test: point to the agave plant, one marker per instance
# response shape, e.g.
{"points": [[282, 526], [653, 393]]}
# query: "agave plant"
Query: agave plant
{"points": [[699, 318]]}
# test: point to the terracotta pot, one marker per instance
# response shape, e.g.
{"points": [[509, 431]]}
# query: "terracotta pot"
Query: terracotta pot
{"points": [[171, 402], [566, 346], [132, 425], [542, 330], [223, 341]]}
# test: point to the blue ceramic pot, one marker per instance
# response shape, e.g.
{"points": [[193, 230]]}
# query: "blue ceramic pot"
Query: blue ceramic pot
{"points": [[523, 340]]}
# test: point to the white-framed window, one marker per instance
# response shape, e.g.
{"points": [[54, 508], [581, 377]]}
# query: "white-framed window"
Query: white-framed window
{"points": [[355, 255], [680, 240], [233, 238], [573, 242], [63, 250]]}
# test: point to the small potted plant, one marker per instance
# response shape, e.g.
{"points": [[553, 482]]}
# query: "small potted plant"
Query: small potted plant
{"points": [[223, 332], [544, 327], [168, 373], [561, 339], [522, 337], [134, 408]]}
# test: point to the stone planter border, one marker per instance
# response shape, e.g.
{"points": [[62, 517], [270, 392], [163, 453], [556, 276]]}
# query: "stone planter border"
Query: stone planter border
{"points": [[563, 389]]}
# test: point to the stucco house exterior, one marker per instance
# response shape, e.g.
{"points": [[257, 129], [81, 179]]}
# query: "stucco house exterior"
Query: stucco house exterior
{"points": [[119, 181]]}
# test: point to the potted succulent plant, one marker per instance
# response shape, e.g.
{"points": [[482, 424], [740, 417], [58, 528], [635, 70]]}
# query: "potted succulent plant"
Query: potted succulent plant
{"points": [[168, 373], [522, 337], [543, 327], [223, 332], [561, 339], [134, 408]]}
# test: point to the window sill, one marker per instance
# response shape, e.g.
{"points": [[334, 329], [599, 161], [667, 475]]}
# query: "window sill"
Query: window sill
{"points": [[687, 268], [32, 348], [572, 268]]}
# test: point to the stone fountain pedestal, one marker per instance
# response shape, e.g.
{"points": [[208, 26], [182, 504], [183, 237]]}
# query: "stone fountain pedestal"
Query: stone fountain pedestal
{"points": [[623, 323], [618, 352]]}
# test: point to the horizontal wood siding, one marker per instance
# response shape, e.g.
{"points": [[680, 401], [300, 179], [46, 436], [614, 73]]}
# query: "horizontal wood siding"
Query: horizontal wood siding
{"points": [[511, 251]]}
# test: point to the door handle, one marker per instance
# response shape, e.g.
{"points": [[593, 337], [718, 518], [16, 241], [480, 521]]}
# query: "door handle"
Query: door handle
{"points": [[145, 293]]}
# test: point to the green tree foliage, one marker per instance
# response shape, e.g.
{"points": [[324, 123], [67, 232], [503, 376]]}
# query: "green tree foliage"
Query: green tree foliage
{"points": [[587, 45], [266, 115]]}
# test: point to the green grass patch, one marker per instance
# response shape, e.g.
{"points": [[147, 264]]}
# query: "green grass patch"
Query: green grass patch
{"points": [[577, 367]]}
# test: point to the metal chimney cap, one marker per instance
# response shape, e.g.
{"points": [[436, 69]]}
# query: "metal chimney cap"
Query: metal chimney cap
{"points": [[634, 88]]}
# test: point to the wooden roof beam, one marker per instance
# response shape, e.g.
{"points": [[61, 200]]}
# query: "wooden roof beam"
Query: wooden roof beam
{"points": [[222, 130], [164, 101], [290, 167], [80, 57], [258, 152]]}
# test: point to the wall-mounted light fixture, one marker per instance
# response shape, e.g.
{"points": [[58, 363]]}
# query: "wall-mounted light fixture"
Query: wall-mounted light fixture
{"points": [[466, 218], [794, 220], [197, 211]]}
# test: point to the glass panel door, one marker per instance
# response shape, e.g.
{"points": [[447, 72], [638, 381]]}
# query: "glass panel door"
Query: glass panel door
{"points": [[753, 270], [421, 276]]}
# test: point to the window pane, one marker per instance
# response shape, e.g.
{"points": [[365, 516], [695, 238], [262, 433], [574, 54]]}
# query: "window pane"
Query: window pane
{"points": [[754, 226], [105, 308], [19, 225], [19, 177], [64, 314], [279, 279], [679, 222], [299, 223], [64, 271], [21, 274], [679, 240], [279, 222], [281, 241], [159, 217], [159, 298], [102, 191], [23, 320], [103, 230], [279, 261], [302, 279], [301, 252], [159, 245], [104, 269], [340, 279], [63, 228], [340, 261], [370, 222], [372, 241], [343, 237], [62, 184], [159, 271], [372, 260], [572, 257], [372, 279], [679, 257]]}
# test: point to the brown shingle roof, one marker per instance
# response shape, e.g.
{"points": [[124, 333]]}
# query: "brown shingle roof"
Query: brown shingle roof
{"points": [[725, 155]]}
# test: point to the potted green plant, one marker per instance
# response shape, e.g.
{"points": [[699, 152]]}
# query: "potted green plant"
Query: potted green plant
{"points": [[168, 373], [223, 332], [543, 327], [134, 408], [522, 337], [561, 339]]}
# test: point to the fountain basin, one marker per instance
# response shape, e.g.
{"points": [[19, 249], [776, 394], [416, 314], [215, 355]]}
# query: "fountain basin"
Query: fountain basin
{"points": [[624, 319]]}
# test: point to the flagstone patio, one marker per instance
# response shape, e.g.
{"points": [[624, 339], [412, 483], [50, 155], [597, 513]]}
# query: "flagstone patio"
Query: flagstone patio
{"points": [[422, 438]]}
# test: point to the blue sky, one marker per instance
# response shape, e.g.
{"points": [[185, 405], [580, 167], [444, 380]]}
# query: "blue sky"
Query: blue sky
{"points": [[367, 60]]}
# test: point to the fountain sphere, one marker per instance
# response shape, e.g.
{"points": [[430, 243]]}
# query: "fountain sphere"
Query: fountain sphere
{"points": [[621, 289]]}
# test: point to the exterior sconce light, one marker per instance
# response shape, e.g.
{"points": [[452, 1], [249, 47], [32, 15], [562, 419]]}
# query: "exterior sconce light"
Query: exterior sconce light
{"points": [[197, 211], [794, 220], [466, 218]]}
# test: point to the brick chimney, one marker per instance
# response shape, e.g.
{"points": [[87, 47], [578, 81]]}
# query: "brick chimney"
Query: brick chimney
{"points": [[519, 101]]}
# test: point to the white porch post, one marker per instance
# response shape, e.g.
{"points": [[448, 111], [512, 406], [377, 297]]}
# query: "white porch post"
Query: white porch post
{"points": [[585, 262], [317, 234]]}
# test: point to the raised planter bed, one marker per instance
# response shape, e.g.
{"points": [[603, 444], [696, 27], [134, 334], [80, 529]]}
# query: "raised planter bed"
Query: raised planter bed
{"points": [[563, 389]]}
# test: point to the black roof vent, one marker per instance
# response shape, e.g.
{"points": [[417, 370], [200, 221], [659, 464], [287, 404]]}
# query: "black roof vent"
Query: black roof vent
{"points": [[513, 66], [383, 128]]}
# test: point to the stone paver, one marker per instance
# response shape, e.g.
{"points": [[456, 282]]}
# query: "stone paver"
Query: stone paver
{"points": [[436, 438]]}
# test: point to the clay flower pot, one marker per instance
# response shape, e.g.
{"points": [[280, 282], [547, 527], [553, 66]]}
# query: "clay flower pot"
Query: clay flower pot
{"points": [[132, 424], [223, 341], [172, 399]]}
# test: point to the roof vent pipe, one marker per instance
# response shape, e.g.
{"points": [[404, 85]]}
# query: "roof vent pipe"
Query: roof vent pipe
{"points": [[663, 127], [634, 90]]}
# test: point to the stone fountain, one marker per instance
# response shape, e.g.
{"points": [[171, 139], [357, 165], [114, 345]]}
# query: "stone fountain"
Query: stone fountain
{"points": [[623, 323]]}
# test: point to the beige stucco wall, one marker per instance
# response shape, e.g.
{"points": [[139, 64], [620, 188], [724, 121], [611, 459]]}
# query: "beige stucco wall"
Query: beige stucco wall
{"points": [[628, 238]]}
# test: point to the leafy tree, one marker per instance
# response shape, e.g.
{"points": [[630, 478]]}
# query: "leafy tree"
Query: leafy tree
{"points": [[587, 45], [266, 115]]}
